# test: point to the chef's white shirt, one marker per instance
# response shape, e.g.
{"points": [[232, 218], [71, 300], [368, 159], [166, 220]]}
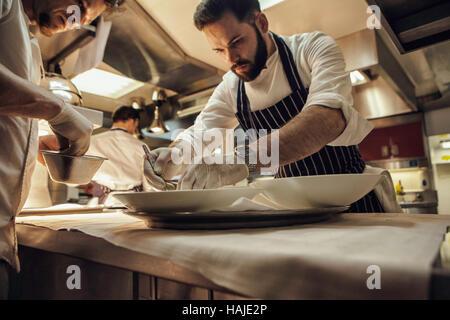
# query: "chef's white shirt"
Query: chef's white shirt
{"points": [[321, 66], [124, 168], [18, 136]]}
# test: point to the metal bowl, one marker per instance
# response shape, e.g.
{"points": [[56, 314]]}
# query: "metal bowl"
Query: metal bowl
{"points": [[71, 169]]}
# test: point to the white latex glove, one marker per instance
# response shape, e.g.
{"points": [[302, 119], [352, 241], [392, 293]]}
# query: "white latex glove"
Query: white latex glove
{"points": [[152, 178], [72, 130], [203, 176], [164, 168]]}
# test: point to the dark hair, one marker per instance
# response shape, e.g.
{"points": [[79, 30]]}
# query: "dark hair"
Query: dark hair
{"points": [[124, 113], [210, 11]]}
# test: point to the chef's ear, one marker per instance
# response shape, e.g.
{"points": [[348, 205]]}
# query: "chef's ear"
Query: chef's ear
{"points": [[262, 22]]}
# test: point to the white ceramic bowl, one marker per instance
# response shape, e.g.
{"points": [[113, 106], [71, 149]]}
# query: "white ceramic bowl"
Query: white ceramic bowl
{"points": [[184, 200], [317, 191]]}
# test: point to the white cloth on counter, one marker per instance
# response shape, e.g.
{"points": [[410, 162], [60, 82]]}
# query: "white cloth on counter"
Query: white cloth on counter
{"points": [[384, 190], [321, 66], [326, 260]]}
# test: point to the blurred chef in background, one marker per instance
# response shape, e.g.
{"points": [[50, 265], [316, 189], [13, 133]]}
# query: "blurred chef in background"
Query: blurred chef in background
{"points": [[124, 170]]}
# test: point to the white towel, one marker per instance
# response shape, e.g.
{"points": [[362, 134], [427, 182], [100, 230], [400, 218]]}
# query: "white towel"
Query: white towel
{"points": [[385, 190]]}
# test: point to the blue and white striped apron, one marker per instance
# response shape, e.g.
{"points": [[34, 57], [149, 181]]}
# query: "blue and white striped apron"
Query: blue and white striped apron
{"points": [[329, 160]]}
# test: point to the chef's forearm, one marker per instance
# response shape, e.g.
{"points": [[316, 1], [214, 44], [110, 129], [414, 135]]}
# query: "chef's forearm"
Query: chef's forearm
{"points": [[21, 98], [304, 135], [309, 132]]}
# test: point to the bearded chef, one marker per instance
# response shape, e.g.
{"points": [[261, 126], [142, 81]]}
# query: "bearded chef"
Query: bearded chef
{"points": [[296, 84], [22, 102]]}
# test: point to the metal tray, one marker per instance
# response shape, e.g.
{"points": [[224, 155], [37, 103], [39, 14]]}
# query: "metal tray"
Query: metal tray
{"points": [[234, 220]]}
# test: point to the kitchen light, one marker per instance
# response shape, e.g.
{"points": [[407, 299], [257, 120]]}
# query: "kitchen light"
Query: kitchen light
{"points": [[358, 78], [445, 144], [157, 126], [268, 3], [106, 84]]}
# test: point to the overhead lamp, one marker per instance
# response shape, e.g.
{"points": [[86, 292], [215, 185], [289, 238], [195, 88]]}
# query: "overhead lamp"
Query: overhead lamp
{"points": [[137, 103], [358, 78], [157, 126], [106, 84]]}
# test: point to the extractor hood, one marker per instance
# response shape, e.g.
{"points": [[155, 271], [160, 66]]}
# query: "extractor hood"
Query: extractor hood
{"points": [[414, 24], [140, 49], [137, 48], [389, 92]]}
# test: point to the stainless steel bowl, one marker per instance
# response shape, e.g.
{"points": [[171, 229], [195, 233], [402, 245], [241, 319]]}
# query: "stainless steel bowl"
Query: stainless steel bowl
{"points": [[71, 169]]}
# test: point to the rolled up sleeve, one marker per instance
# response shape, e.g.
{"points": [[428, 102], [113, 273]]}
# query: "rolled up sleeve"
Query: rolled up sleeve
{"points": [[331, 87]]}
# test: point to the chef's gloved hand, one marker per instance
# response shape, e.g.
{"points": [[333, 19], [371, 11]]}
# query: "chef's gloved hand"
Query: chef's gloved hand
{"points": [[204, 176], [72, 130], [164, 166], [152, 178]]}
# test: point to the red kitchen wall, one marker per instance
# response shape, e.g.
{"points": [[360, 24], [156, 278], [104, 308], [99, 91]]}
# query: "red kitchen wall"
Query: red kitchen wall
{"points": [[405, 140]]}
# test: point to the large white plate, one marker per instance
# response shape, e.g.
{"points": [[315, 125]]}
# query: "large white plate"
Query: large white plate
{"points": [[184, 200], [317, 191], [233, 220]]}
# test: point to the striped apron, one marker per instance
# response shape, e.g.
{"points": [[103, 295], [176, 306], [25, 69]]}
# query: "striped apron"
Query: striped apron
{"points": [[329, 160]]}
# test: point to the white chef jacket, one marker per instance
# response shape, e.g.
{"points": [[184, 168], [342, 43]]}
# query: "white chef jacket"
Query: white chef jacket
{"points": [[18, 136], [321, 67], [124, 168]]}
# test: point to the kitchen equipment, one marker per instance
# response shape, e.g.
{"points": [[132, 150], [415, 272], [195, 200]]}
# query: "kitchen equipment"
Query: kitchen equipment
{"points": [[184, 200], [233, 220], [62, 87], [317, 191], [71, 169]]}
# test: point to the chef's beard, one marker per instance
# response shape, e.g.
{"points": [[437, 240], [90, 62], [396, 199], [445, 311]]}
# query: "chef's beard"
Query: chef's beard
{"points": [[258, 65]]}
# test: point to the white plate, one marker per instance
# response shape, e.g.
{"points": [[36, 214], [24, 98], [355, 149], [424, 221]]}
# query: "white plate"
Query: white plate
{"points": [[184, 200], [234, 220], [317, 191]]}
